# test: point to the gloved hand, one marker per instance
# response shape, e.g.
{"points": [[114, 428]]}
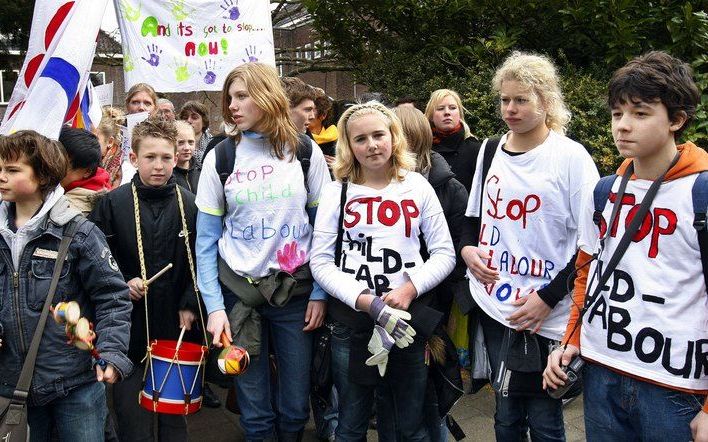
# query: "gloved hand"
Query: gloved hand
{"points": [[393, 321], [380, 345]]}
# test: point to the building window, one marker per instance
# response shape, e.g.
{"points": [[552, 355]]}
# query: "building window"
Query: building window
{"points": [[281, 70], [308, 51], [318, 50], [8, 78], [97, 78]]}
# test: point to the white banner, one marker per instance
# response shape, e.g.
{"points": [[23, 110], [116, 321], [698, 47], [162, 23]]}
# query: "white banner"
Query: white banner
{"points": [[191, 45], [59, 56], [104, 94]]}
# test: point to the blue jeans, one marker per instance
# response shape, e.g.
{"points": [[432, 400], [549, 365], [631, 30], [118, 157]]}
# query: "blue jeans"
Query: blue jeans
{"points": [[541, 414], [79, 416], [619, 407], [399, 395], [288, 413]]}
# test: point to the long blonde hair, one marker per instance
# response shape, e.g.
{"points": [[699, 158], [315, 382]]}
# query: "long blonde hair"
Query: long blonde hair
{"points": [[439, 95], [347, 167], [263, 85], [141, 87], [539, 75], [419, 136]]}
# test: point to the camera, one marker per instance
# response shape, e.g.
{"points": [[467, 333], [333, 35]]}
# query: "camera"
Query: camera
{"points": [[572, 370]]}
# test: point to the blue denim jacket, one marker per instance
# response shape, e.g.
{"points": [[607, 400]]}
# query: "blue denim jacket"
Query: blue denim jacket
{"points": [[89, 276]]}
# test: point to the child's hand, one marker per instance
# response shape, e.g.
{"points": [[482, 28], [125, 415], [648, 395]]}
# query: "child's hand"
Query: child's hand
{"points": [[110, 375], [186, 318], [137, 289]]}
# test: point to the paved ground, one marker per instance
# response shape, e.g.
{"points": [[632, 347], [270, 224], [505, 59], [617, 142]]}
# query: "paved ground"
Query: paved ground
{"points": [[474, 413]]}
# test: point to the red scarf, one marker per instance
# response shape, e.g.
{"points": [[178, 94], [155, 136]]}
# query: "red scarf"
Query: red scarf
{"points": [[439, 134]]}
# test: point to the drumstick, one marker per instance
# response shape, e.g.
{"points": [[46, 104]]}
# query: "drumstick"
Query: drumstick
{"points": [[225, 340], [181, 335], [157, 275]]}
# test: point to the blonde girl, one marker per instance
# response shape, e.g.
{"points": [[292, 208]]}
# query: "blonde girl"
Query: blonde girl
{"points": [[523, 256], [255, 227], [186, 173], [110, 138], [379, 284]]}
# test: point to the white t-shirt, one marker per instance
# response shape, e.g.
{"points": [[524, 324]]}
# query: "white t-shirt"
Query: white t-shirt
{"points": [[381, 248], [529, 226], [651, 320], [266, 227]]}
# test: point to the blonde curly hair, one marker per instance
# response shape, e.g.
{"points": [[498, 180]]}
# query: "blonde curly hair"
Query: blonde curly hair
{"points": [[347, 167], [539, 74]]}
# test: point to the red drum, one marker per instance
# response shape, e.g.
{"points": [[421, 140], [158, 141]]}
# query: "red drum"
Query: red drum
{"points": [[174, 378]]}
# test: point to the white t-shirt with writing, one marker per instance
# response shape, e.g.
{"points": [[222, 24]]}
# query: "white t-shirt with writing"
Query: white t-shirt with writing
{"points": [[651, 318], [381, 247], [529, 225], [266, 227]]}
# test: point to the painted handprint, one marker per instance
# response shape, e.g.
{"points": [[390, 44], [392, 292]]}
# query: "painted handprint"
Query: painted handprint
{"points": [[130, 13], [154, 51], [251, 54], [209, 76], [178, 10], [231, 8], [289, 258], [181, 69], [128, 64]]}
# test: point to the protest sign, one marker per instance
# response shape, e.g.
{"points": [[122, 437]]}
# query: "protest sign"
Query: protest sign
{"points": [[104, 94], [185, 46]]}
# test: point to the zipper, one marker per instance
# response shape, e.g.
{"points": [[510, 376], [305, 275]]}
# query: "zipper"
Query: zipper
{"points": [[16, 295]]}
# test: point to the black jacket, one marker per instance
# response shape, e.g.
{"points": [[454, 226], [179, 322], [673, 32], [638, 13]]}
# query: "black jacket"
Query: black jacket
{"points": [[461, 155], [163, 243], [188, 178], [453, 199]]}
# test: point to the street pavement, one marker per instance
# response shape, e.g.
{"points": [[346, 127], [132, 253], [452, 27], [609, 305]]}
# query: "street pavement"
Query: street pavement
{"points": [[474, 413]]}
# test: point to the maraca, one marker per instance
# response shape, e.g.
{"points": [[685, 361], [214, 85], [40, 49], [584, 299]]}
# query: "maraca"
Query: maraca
{"points": [[233, 360], [66, 312]]}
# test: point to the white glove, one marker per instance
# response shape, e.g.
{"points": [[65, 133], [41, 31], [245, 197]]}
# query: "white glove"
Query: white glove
{"points": [[394, 321], [380, 345]]}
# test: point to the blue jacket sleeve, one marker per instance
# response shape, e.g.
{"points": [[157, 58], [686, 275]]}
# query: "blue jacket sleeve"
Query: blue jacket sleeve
{"points": [[318, 293], [209, 230]]}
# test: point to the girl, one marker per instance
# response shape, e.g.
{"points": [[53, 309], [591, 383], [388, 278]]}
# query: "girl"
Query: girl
{"points": [[197, 114], [185, 172], [380, 272], [254, 227], [451, 135], [520, 261], [110, 139]]}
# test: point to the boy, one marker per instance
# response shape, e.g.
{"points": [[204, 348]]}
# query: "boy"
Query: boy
{"points": [[302, 102], [171, 300], [85, 181], [643, 333], [65, 391]]}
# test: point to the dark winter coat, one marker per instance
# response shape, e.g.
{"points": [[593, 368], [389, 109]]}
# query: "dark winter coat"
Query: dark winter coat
{"points": [[89, 276], [163, 243], [461, 155], [188, 178]]}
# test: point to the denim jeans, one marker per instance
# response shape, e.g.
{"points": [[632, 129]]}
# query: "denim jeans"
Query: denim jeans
{"points": [[618, 407], [79, 416], [399, 395], [137, 424], [286, 410], [541, 414]]}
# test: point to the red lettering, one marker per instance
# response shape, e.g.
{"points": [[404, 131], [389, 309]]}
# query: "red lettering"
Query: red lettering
{"points": [[627, 200], [353, 213], [489, 261], [190, 49], [213, 48], [513, 270], [481, 236], [383, 213], [410, 211], [388, 212], [670, 228], [644, 228]]}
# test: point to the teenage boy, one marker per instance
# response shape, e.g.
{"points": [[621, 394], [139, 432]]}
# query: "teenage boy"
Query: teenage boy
{"points": [[153, 197], [643, 334], [85, 181], [302, 102], [66, 391]]}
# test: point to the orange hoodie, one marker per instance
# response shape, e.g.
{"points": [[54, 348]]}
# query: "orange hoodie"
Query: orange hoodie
{"points": [[693, 160]]}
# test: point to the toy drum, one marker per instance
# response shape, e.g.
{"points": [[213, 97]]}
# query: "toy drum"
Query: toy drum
{"points": [[173, 378]]}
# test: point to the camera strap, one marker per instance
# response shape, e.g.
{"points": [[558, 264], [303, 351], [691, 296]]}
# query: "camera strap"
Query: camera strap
{"points": [[626, 239]]}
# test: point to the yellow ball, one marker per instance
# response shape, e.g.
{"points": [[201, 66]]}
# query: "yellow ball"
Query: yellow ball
{"points": [[233, 360]]}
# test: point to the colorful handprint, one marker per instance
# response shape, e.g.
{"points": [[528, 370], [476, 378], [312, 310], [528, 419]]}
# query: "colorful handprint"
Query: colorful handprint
{"points": [[231, 8], [289, 258], [128, 64], [251, 54], [181, 69], [178, 10], [154, 55], [130, 13], [209, 76]]}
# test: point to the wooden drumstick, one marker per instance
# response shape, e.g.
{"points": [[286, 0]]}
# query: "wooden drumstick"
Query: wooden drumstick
{"points": [[158, 274], [225, 340]]}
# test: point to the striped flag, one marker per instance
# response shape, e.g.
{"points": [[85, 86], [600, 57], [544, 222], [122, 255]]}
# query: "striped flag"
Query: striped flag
{"points": [[59, 56]]}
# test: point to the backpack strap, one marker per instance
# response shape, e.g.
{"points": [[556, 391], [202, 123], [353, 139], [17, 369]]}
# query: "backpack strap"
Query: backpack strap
{"points": [[699, 195], [490, 149], [303, 155], [600, 196], [225, 153]]}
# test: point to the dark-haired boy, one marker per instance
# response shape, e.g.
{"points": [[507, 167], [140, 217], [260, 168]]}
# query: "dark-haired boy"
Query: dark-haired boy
{"points": [[171, 299], [644, 334], [66, 390], [85, 181]]}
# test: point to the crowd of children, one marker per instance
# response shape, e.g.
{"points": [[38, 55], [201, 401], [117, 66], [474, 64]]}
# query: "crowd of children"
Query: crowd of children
{"points": [[386, 231]]}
